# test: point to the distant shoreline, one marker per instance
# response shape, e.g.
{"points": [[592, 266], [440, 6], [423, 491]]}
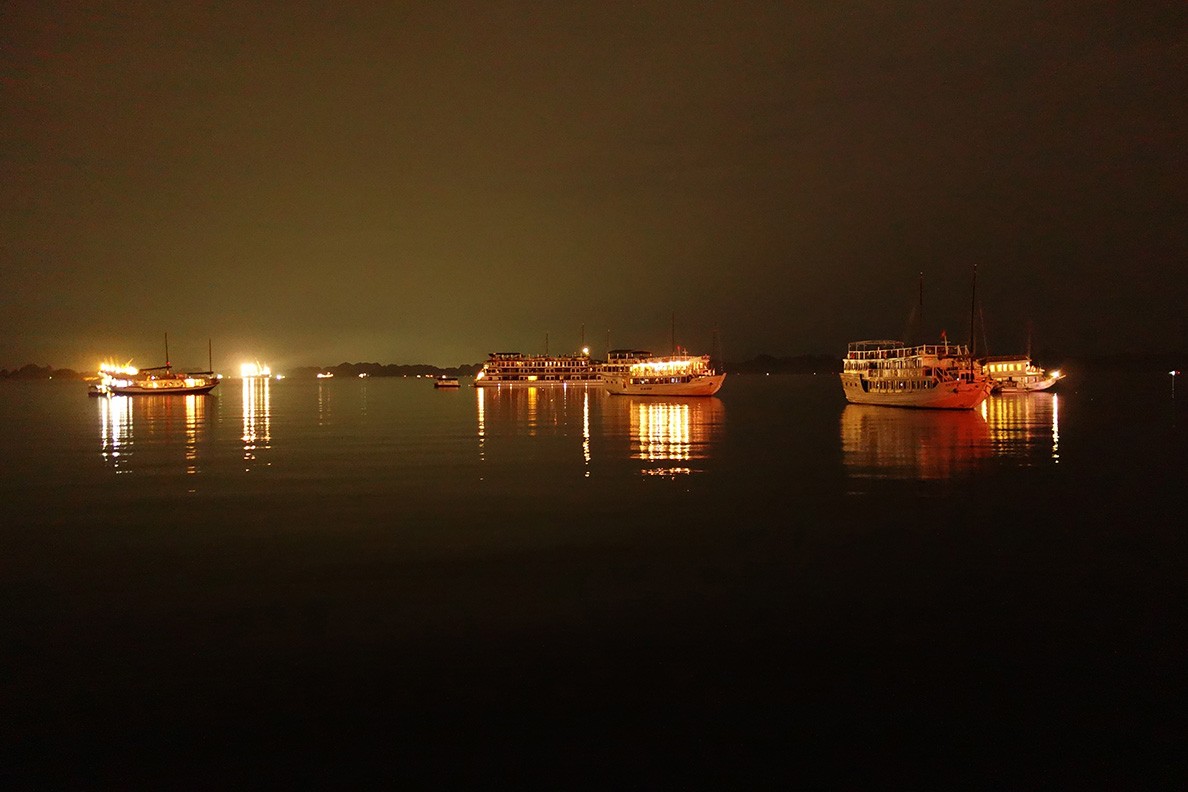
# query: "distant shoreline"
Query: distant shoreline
{"points": [[760, 364]]}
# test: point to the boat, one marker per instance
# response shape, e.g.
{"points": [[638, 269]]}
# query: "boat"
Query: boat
{"points": [[516, 369], [445, 382], [127, 380], [674, 375], [934, 376], [1018, 374], [156, 381]]}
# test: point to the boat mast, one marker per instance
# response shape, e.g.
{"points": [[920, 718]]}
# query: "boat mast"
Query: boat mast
{"points": [[920, 310], [973, 301], [673, 340], [209, 357], [546, 343], [985, 338], [167, 350]]}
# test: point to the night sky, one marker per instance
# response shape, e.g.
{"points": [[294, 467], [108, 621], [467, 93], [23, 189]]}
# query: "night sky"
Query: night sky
{"points": [[312, 183]]}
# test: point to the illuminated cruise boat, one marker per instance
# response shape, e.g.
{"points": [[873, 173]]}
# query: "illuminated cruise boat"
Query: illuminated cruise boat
{"points": [[934, 376], [675, 375], [445, 381], [1017, 374], [514, 368]]}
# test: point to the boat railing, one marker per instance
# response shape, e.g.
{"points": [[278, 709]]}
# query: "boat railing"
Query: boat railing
{"points": [[861, 352]]}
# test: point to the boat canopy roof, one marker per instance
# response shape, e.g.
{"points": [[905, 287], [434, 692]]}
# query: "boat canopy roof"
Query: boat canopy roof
{"points": [[866, 346], [522, 356]]}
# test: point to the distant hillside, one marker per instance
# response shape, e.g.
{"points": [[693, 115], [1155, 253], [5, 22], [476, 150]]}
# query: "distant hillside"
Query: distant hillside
{"points": [[31, 372], [798, 364], [384, 370]]}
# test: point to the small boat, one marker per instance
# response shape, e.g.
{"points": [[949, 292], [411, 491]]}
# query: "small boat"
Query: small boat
{"points": [[116, 380], [675, 375], [155, 381], [1017, 374], [445, 382]]}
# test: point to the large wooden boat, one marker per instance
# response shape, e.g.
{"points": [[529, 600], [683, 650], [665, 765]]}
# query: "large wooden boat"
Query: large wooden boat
{"points": [[934, 376], [675, 375], [1017, 374]]}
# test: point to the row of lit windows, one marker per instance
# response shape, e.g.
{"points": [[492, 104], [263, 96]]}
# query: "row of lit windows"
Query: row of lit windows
{"points": [[542, 363], [900, 385]]}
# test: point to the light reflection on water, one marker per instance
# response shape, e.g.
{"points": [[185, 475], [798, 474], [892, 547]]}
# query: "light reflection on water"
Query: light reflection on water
{"points": [[155, 419], [1025, 426], [195, 420], [115, 430], [257, 419], [889, 442], [666, 435], [676, 432], [894, 443]]}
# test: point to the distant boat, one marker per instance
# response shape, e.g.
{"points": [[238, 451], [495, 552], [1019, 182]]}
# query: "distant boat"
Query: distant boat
{"points": [[675, 375], [115, 380], [1017, 374], [445, 382]]}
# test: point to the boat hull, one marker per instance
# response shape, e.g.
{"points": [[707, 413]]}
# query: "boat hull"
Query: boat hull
{"points": [[179, 390], [486, 382], [945, 396], [1027, 387], [698, 386]]}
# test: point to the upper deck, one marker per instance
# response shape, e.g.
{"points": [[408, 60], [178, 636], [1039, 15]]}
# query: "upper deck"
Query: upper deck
{"points": [[892, 350]]}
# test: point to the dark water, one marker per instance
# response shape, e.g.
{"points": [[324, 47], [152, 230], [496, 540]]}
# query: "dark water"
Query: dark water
{"points": [[317, 581]]}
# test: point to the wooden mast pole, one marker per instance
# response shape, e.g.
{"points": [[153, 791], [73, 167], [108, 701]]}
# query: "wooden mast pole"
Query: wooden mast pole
{"points": [[973, 301]]}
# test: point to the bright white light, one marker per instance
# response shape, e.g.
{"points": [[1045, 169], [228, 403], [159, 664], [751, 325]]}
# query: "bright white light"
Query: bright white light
{"points": [[254, 370]]}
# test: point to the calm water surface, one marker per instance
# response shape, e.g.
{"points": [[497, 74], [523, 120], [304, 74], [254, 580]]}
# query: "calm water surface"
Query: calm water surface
{"points": [[296, 580]]}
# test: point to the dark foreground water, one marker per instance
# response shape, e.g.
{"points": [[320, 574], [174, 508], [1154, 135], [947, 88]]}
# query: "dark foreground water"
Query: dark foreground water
{"points": [[305, 581]]}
